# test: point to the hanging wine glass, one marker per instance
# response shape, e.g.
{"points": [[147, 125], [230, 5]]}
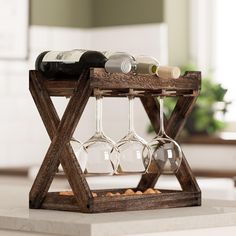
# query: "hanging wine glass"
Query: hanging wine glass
{"points": [[102, 155], [132, 157], [80, 154], [165, 151]]}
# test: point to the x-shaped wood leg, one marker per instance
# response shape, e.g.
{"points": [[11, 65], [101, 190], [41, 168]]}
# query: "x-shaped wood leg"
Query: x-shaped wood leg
{"points": [[173, 126], [60, 133]]}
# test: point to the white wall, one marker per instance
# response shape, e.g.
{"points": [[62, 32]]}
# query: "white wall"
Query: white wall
{"points": [[23, 139], [177, 19]]}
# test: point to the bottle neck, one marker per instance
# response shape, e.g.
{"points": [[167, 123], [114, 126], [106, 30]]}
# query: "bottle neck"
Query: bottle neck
{"points": [[146, 65], [119, 62]]}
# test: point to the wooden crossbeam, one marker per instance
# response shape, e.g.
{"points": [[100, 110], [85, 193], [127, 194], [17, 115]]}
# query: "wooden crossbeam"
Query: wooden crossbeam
{"points": [[60, 133]]}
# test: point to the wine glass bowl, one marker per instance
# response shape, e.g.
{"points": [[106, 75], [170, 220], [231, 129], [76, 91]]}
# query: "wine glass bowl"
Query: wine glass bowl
{"points": [[133, 159], [101, 153], [80, 152], [165, 151]]}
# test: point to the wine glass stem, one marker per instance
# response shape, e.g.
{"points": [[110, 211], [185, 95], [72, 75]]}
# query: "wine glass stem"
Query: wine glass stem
{"points": [[162, 128], [131, 114], [99, 114]]}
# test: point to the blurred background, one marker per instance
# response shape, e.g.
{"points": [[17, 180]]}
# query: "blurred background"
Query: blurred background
{"points": [[191, 34]]}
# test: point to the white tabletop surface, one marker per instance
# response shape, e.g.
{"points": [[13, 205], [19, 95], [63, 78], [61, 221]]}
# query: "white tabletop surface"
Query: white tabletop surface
{"points": [[15, 215]]}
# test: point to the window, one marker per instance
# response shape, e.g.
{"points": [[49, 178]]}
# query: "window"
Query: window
{"points": [[213, 43], [225, 46]]}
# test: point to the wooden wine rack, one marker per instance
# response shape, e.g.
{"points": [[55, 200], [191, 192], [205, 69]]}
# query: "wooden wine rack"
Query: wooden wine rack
{"points": [[147, 87]]}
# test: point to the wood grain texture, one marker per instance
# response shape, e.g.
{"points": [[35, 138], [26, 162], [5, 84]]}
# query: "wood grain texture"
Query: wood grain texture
{"points": [[67, 158], [101, 79], [125, 203], [186, 84], [61, 131], [175, 124], [51, 121], [181, 112]]}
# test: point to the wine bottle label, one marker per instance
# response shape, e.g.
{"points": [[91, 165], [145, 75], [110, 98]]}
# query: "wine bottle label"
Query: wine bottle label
{"points": [[64, 56]]}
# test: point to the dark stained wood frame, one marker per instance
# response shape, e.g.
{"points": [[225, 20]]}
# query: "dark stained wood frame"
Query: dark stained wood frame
{"points": [[79, 90]]}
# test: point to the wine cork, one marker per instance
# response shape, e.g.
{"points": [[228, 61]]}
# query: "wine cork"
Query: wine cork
{"points": [[157, 191], [109, 194], [66, 193], [149, 191], [171, 72], [129, 192], [138, 193], [94, 194]]}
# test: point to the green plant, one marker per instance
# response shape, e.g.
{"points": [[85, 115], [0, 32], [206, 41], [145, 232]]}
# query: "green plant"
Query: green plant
{"points": [[203, 119]]}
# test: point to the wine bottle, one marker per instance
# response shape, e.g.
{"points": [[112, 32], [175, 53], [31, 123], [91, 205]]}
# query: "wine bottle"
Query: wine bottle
{"points": [[137, 65], [146, 65], [150, 65], [72, 63], [118, 60], [141, 64], [69, 63]]}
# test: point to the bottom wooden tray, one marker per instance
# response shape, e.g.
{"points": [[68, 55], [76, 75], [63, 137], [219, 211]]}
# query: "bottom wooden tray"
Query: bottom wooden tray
{"points": [[101, 203]]}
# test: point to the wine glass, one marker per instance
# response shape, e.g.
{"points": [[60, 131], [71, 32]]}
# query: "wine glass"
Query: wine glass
{"points": [[101, 153], [165, 151], [79, 152], [132, 157]]}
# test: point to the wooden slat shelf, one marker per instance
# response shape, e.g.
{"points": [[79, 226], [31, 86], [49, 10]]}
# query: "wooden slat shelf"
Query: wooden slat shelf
{"points": [[56, 201], [121, 83], [101, 79], [61, 131]]}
